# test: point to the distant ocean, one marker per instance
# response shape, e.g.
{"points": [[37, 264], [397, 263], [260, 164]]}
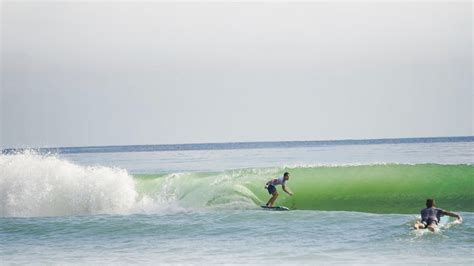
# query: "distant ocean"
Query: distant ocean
{"points": [[354, 201]]}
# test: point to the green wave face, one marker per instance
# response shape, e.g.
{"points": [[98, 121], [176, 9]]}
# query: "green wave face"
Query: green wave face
{"points": [[391, 188], [383, 188]]}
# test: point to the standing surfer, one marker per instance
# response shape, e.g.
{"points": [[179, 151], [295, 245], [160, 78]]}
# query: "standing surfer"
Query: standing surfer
{"points": [[270, 186]]}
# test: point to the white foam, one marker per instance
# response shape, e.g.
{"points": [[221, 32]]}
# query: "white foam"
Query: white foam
{"points": [[46, 185], [39, 185]]}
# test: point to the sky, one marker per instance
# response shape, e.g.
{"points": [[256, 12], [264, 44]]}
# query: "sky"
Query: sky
{"points": [[124, 73]]}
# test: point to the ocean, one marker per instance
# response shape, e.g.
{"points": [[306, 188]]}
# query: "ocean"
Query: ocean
{"points": [[354, 202]]}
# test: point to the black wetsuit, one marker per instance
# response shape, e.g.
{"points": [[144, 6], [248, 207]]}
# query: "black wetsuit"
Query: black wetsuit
{"points": [[431, 215]]}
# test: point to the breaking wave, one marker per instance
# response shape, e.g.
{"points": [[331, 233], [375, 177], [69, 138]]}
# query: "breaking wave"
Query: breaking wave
{"points": [[45, 185]]}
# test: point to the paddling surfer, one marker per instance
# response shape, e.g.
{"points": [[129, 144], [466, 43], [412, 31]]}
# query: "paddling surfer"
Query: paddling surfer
{"points": [[431, 215], [271, 187]]}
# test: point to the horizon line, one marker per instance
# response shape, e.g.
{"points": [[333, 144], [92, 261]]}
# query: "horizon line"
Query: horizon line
{"points": [[381, 140]]}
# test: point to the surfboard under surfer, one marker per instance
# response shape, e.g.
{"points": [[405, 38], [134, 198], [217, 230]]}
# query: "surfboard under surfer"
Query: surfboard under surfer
{"points": [[271, 187], [430, 216]]}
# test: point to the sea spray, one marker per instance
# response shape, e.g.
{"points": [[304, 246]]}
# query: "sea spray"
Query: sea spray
{"points": [[45, 185]]}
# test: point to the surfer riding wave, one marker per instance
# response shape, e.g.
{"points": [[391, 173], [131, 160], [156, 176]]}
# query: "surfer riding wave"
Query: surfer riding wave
{"points": [[271, 187]]}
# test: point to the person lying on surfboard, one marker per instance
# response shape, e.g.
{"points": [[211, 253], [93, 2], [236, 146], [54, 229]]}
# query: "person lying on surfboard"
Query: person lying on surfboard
{"points": [[430, 216], [270, 186]]}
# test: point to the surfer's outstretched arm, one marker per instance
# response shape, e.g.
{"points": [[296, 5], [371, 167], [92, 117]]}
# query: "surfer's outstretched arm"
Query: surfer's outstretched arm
{"points": [[452, 214], [288, 192]]}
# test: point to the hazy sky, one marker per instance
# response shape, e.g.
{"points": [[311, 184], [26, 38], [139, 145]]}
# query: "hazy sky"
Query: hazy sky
{"points": [[108, 73]]}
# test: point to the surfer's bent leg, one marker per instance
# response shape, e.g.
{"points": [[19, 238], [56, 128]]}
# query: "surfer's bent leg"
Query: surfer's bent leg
{"points": [[272, 190], [432, 227], [419, 225], [429, 224], [272, 199]]}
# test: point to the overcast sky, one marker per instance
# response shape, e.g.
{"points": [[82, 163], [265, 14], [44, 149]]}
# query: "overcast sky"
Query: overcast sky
{"points": [[83, 73]]}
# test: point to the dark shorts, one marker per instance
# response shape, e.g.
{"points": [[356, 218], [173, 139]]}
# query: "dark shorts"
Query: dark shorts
{"points": [[429, 222], [271, 189]]}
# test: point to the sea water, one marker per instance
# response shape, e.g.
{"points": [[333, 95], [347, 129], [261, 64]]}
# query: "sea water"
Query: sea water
{"points": [[354, 203]]}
